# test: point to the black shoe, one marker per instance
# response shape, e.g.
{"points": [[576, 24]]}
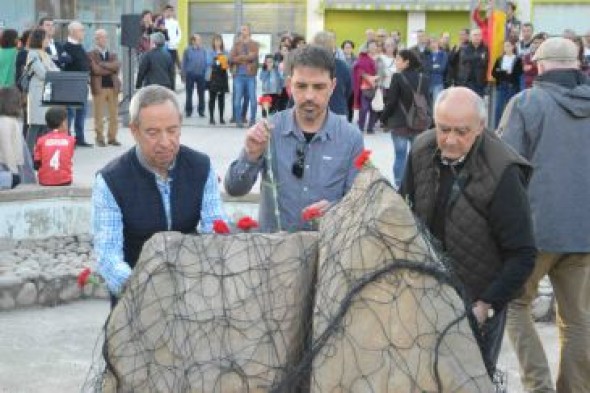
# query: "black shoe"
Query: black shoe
{"points": [[115, 143], [83, 144], [201, 115], [221, 121], [187, 114], [232, 120], [212, 122]]}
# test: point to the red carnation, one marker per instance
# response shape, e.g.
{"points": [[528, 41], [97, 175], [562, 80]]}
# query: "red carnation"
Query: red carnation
{"points": [[311, 213], [219, 226], [86, 277], [246, 223], [362, 159]]}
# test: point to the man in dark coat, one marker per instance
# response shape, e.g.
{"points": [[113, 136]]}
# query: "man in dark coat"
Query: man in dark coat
{"points": [[156, 66], [469, 189]]}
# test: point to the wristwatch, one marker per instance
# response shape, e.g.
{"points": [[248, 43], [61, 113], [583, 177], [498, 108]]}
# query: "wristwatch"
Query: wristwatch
{"points": [[491, 312]]}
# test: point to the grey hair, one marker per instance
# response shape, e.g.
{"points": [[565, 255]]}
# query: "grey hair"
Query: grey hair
{"points": [[74, 25], [479, 103], [148, 96], [325, 40], [158, 38]]}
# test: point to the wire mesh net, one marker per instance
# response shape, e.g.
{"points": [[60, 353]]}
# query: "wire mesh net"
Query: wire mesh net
{"points": [[364, 305]]}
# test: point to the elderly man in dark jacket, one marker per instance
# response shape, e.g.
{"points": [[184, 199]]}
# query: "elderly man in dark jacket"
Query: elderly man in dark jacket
{"points": [[469, 189], [156, 66], [549, 125]]}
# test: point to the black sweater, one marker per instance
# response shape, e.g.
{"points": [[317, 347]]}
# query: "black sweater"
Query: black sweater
{"points": [[79, 59]]}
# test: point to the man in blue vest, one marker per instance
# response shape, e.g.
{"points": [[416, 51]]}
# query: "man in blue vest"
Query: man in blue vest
{"points": [[158, 185]]}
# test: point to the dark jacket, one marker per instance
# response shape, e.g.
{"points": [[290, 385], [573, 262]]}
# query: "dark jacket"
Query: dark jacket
{"points": [[104, 74], [339, 100], [549, 125], [136, 193], [473, 66], [502, 76], [425, 58], [453, 67], [156, 68], [440, 62], [398, 94], [219, 81], [479, 212], [78, 58], [63, 57]]}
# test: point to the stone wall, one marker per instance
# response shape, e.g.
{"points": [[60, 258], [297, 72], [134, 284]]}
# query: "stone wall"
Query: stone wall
{"points": [[45, 271]]}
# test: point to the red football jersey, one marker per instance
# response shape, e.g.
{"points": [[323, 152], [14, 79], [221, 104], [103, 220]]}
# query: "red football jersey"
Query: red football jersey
{"points": [[55, 151]]}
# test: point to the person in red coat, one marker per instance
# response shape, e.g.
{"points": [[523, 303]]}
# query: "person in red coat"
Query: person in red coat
{"points": [[54, 151], [483, 23]]}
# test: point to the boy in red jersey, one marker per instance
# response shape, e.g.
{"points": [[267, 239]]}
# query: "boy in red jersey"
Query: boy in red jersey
{"points": [[54, 151]]}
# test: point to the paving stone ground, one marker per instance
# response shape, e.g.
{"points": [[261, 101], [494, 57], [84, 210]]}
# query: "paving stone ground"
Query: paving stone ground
{"points": [[50, 349]]}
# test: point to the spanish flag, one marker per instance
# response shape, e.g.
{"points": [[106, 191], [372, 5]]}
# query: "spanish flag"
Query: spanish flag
{"points": [[490, 18], [497, 31]]}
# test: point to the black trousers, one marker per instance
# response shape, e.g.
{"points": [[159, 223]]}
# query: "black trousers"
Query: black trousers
{"points": [[220, 97]]}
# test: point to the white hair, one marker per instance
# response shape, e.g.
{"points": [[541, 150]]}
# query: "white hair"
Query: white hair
{"points": [[74, 25], [479, 104]]}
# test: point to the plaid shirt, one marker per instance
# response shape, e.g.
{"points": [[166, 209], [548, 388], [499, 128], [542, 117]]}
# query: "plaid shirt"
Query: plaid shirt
{"points": [[107, 223]]}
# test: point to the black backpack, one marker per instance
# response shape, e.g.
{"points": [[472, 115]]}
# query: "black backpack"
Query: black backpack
{"points": [[24, 80], [418, 116]]}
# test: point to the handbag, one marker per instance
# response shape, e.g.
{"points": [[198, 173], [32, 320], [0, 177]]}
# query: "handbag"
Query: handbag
{"points": [[24, 80], [377, 102]]}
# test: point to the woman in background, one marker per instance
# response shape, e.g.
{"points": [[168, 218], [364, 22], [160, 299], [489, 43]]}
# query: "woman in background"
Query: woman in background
{"points": [[350, 58], [399, 100], [218, 80], [507, 72], [38, 63], [8, 52]]}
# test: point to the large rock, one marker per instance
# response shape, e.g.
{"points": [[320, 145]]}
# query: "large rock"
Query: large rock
{"points": [[212, 313], [386, 318]]}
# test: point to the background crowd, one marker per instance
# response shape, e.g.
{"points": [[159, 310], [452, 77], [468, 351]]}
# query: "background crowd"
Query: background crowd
{"points": [[377, 79]]}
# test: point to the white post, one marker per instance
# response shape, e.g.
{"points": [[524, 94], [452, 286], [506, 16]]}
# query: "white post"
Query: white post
{"points": [[315, 18], [416, 21]]}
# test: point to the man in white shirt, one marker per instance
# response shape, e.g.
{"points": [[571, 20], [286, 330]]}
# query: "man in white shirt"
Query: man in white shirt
{"points": [[174, 33]]}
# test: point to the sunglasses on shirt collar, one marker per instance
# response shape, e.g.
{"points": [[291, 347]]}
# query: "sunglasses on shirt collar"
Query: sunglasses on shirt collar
{"points": [[299, 165]]}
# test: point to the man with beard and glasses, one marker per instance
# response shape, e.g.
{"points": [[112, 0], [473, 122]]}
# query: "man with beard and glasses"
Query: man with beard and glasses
{"points": [[312, 150]]}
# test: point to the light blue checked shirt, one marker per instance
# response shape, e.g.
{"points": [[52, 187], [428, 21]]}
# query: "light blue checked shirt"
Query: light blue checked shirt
{"points": [[107, 222]]}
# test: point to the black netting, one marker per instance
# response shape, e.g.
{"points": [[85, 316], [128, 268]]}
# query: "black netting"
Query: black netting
{"points": [[363, 305]]}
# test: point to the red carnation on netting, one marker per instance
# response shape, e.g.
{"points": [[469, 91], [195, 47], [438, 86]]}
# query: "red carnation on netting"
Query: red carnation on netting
{"points": [[311, 213], [247, 223], [220, 227], [86, 277], [363, 160]]}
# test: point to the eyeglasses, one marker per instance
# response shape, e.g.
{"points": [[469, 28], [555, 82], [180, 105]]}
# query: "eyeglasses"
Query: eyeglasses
{"points": [[299, 165]]}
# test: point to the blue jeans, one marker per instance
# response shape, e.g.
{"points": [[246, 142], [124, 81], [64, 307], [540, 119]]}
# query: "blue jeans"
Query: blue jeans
{"points": [[435, 90], [191, 80], [78, 115], [504, 92], [401, 146], [245, 86]]}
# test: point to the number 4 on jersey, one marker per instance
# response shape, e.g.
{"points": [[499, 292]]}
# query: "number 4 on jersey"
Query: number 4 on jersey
{"points": [[54, 161]]}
